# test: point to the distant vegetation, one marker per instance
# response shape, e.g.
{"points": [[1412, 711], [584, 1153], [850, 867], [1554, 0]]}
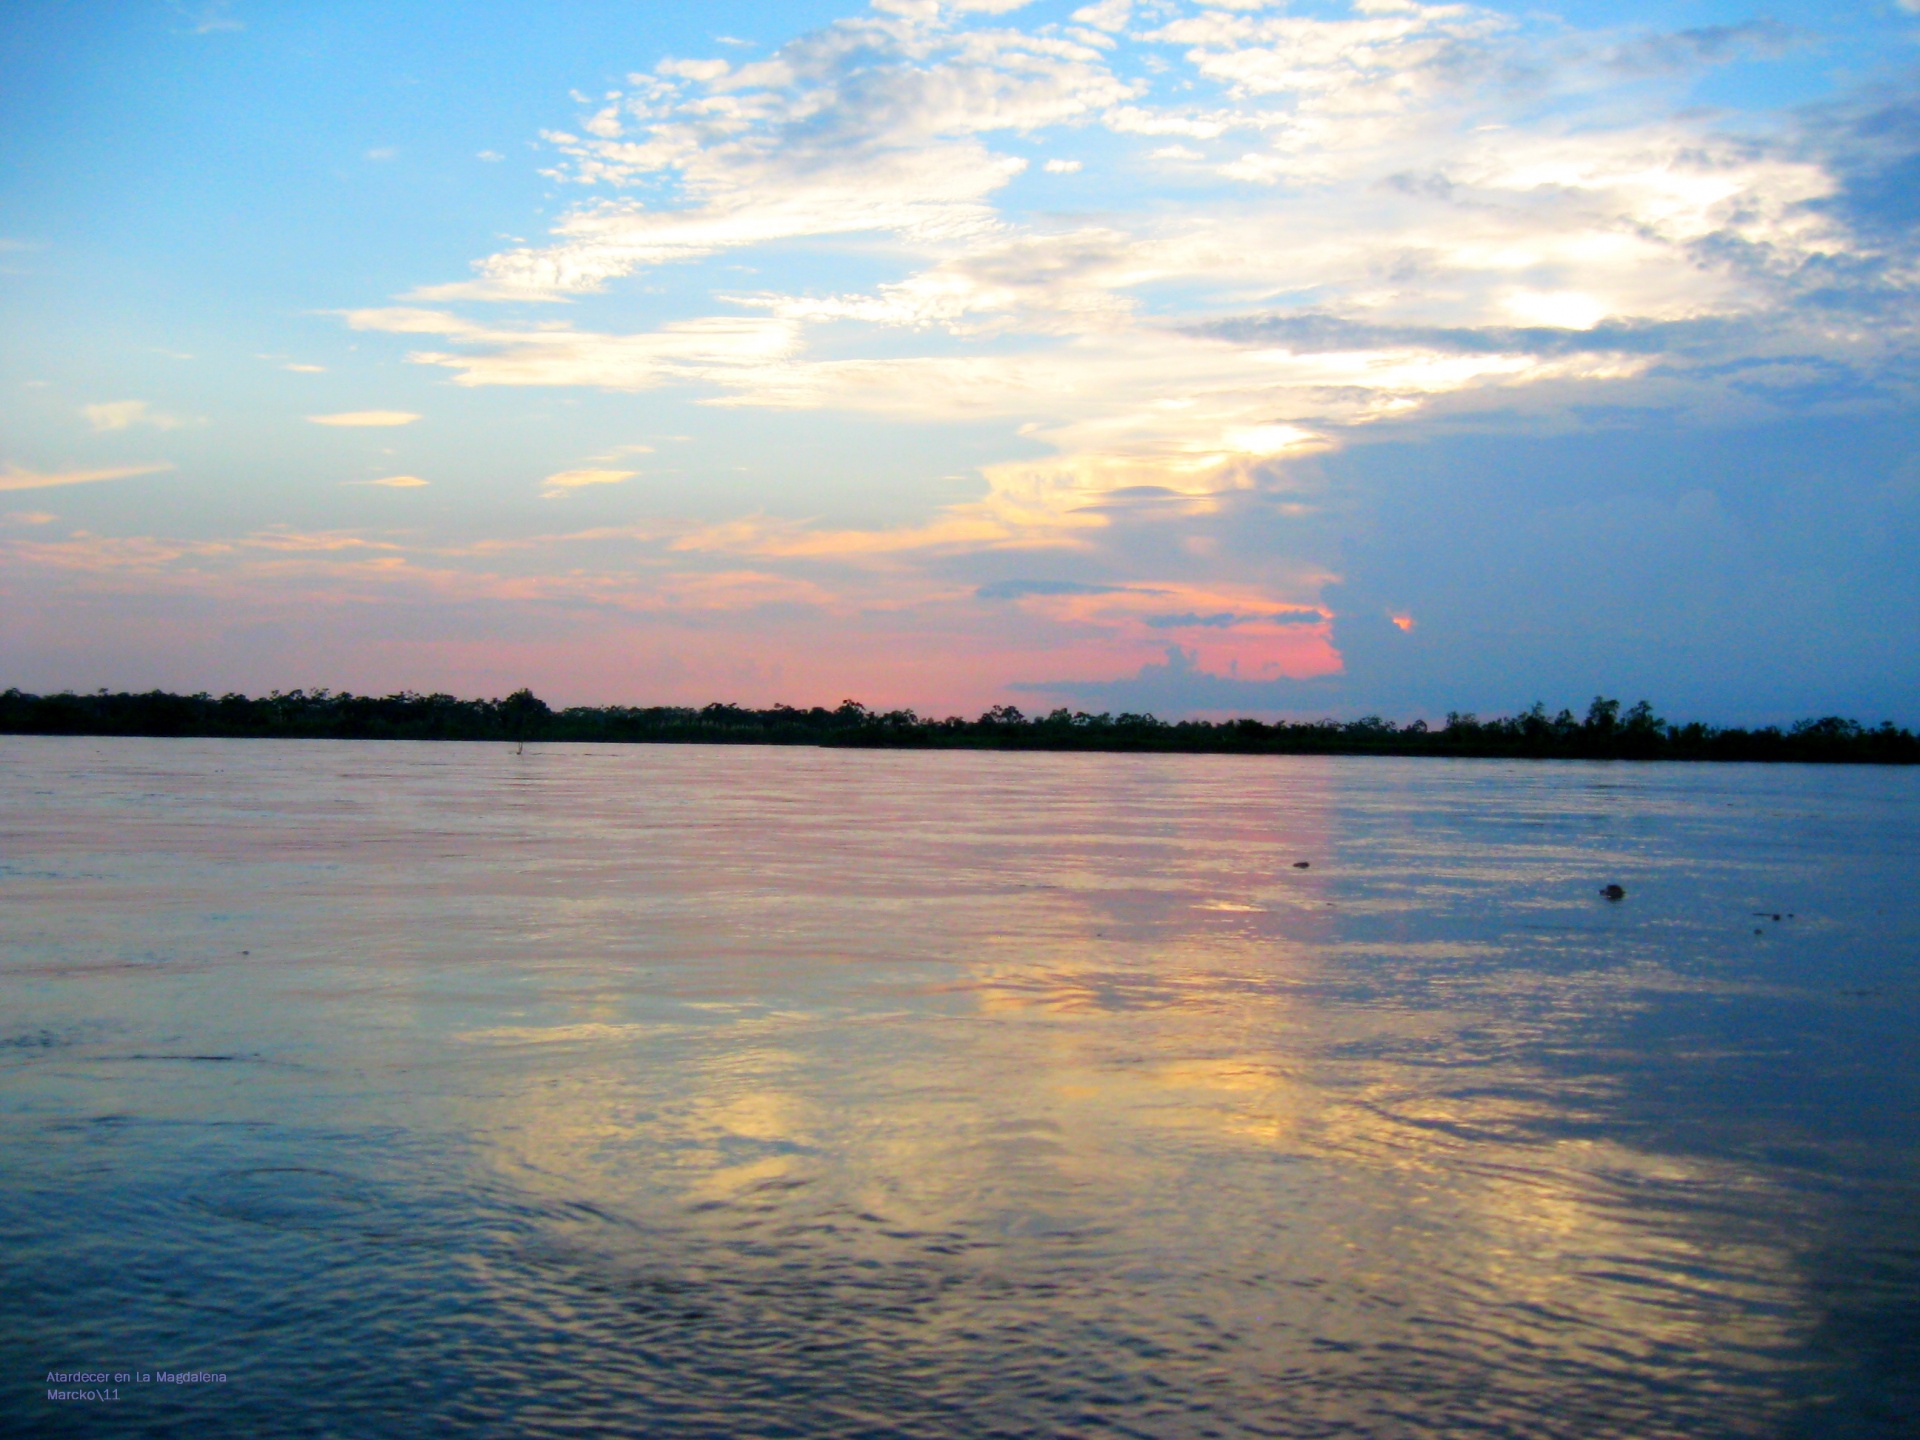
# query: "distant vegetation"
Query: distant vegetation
{"points": [[1606, 733]]}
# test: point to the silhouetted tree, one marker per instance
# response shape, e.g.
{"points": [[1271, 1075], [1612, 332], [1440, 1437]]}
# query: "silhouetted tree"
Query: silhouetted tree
{"points": [[1606, 734], [524, 716]]}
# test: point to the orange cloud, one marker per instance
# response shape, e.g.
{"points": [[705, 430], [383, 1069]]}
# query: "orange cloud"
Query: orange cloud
{"points": [[565, 480]]}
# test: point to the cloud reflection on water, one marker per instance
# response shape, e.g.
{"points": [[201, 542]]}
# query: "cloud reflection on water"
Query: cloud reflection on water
{"points": [[940, 1103]]}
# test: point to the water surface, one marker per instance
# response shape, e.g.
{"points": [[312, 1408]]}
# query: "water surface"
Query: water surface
{"points": [[429, 1089]]}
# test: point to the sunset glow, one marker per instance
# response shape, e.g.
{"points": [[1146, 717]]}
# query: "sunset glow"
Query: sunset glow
{"points": [[957, 353]]}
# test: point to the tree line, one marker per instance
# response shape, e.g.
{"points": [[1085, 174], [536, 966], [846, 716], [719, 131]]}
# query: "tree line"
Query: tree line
{"points": [[1607, 732]]}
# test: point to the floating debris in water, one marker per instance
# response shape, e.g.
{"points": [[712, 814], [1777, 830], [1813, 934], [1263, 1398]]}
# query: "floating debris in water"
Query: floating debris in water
{"points": [[1614, 892], [1302, 864]]}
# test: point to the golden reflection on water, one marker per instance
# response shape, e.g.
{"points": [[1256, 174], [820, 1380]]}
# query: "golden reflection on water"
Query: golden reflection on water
{"points": [[1115, 1082]]}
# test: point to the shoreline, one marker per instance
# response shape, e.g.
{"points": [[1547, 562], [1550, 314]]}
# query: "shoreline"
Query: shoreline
{"points": [[1605, 734]]}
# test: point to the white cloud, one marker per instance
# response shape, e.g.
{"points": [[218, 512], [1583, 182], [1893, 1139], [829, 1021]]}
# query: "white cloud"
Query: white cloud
{"points": [[710, 348], [208, 19], [405, 320], [1070, 282], [1412, 172], [702, 70], [1561, 309], [392, 482], [125, 414], [1107, 15], [928, 195], [782, 149], [367, 419]]}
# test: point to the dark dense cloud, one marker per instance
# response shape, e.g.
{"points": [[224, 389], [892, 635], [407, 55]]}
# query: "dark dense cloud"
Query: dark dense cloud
{"points": [[1314, 330], [1177, 686], [1762, 573]]}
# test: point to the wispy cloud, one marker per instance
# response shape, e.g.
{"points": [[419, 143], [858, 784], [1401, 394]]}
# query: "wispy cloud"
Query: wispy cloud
{"points": [[1708, 44], [125, 414], [393, 482], [766, 160], [10, 246], [1020, 589], [716, 347], [567, 481], [13, 477], [211, 17], [366, 419]]}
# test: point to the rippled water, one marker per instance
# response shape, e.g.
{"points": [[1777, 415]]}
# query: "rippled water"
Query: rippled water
{"points": [[663, 1091]]}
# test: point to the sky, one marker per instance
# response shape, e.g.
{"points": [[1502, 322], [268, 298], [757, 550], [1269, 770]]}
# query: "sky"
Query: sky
{"points": [[1194, 356]]}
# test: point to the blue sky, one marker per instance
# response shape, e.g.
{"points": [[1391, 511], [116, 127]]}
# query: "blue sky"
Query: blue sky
{"points": [[1238, 356]]}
